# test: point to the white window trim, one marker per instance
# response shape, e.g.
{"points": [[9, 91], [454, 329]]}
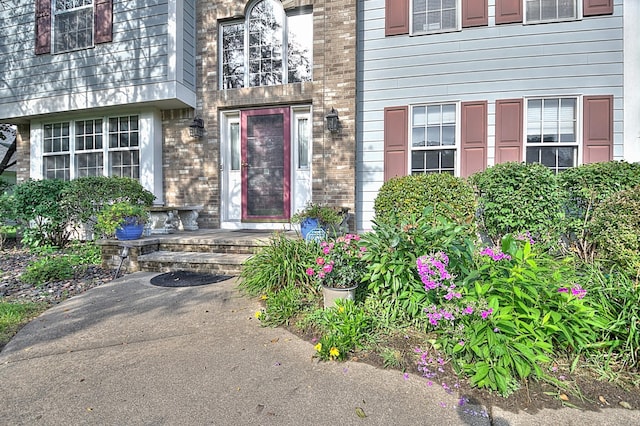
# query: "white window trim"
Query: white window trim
{"points": [[285, 44], [578, 16], [149, 146], [457, 163], [53, 27], [579, 125], [458, 26]]}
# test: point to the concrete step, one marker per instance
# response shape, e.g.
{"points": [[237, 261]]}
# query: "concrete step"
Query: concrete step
{"points": [[215, 263]]}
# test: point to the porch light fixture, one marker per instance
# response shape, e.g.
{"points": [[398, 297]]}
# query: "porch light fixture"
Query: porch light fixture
{"points": [[196, 129], [333, 121]]}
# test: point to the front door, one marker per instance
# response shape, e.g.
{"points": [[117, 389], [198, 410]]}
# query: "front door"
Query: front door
{"points": [[265, 164]]}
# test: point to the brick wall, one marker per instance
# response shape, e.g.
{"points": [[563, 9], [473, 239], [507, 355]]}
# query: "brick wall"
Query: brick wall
{"points": [[333, 85], [23, 152]]}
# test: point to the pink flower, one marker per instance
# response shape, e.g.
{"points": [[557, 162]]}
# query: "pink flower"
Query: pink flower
{"points": [[310, 271], [486, 313], [327, 268], [320, 261], [326, 250]]}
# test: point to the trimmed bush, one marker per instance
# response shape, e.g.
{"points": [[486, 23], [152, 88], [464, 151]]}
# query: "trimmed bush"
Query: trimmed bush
{"points": [[516, 198], [86, 196], [406, 196], [48, 269], [584, 188], [38, 209], [616, 229]]}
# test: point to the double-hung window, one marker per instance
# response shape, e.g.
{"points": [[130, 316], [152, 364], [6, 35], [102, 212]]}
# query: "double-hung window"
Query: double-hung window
{"points": [[269, 47], [552, 132], [550, 10], [77, 148], [431, 16], [433, 138], [73, 24]]}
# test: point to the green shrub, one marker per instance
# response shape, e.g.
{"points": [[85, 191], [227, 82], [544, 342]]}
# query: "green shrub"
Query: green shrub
{"points": [[84, 253], [615, 227], [516, 198], [48, 269], [391, 253], [405, 196], [584, 188], [280, 264], [86, 196], [42, 218]]}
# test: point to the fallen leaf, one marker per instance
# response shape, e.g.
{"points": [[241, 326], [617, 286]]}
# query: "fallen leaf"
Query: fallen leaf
{"points": [[603, 400], [275, 340], [259, 408], [625, 404], [563, 397], [360, 413]]}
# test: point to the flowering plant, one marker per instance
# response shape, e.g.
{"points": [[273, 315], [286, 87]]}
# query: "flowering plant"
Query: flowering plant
{"points": [[341, 265]]}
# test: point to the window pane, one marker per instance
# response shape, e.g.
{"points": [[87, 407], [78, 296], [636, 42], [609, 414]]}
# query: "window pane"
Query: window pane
{"points": [[417, 162], [448, 113], [417, 136], [433, 160], [233, 56], [234, 135], [448, 159], [433, 136], [433, 114], [566, 157], [418, 116], [303, 143], [265, 43], [448, 135], [300, 47]]}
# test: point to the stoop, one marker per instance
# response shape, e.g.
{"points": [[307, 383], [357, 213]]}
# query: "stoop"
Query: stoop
{"points": [[213, 251]]}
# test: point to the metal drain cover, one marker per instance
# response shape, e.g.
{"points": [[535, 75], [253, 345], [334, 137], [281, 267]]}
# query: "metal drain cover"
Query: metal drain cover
{"points": [[187, 279]]}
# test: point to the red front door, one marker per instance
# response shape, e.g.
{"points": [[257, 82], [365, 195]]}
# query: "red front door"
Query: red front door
{"points": [[266, 172]]}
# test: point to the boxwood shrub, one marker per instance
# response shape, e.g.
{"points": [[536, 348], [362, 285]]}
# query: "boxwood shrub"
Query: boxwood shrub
{"points": [[516, 198], [447, 195]]}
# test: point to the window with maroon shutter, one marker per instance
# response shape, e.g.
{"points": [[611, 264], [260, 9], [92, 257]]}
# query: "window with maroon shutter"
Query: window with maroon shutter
{"points": [[396, 141], [598, 129], [508, 11], [473, 143], [43, 26], [508, 130], [475, 13], [597, 7], [103, 31], [396, 17]]}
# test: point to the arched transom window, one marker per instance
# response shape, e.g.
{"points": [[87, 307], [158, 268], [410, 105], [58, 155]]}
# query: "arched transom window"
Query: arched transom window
{"points": [[269, 47]]}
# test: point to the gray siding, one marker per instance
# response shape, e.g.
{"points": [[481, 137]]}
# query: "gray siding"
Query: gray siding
{"points": [[189, 42], [583, 57], [137, 57]]}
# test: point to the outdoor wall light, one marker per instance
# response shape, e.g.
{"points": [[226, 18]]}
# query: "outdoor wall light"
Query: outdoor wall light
{"points": [[196, 129], [333, 121]]}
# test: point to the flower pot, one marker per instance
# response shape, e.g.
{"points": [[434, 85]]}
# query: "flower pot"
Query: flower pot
{"points": [[307, 225], [330, 294], [129, 231]]}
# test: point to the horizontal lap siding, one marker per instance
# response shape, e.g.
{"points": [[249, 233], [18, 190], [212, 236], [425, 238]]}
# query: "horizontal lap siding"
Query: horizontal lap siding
{"points": [[479, 64], [137, 56]]}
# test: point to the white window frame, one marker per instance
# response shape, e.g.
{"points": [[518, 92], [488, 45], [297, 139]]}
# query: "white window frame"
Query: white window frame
{"points": [[458, 26], [578, 144], [577, 17], [72, 10], [105, 150], [455, 147], [285, 43]]}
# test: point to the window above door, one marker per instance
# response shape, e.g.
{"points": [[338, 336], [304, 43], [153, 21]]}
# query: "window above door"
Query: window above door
{"points": [[268, 47]]}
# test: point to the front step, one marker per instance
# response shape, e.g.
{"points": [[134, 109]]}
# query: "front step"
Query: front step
{"points": [[215, 263]]}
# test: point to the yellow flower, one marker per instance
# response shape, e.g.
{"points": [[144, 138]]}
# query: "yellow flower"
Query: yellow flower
{"points": [[263, 297], [341, 309], [334, 352], [258, 314], [318, 347]]}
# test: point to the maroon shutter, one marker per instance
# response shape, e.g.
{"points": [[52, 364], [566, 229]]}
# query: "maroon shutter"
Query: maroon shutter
{"points": [[509, 130], [598, 129], [43, 26], [473, 144], [508, 11], [597, 7], [475, 13], [396, 17], [396, 141], [103, 21]]}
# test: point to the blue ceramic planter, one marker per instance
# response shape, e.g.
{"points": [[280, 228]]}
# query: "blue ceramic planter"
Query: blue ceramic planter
{"points": [[307, 225], [129, 231]]}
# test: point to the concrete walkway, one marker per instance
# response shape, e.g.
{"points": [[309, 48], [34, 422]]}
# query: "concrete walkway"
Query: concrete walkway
{"points": [[129, 353]]}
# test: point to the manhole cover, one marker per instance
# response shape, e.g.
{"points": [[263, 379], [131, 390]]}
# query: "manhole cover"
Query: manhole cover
{"points": [[187, 279]]}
